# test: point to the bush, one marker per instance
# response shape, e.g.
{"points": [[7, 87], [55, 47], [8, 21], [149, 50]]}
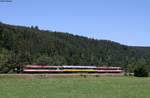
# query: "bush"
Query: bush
{"points": [[141, 70]]}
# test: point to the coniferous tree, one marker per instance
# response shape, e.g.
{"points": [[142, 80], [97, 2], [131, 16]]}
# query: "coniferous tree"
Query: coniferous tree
{"points": [[29, 45]]}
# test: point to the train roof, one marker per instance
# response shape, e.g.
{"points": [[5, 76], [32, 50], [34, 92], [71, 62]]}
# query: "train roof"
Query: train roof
{"points": [[79, 66], [71, 66]]}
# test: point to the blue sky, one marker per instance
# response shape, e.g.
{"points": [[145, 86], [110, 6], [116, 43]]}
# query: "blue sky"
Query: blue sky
{"points": [[123, 21]]}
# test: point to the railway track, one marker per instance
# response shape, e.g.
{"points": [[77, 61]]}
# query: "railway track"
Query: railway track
{"points": [[61, 75]]}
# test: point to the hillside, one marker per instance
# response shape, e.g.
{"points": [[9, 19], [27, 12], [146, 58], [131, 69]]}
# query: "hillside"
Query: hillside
{"points": [[28, 45]]}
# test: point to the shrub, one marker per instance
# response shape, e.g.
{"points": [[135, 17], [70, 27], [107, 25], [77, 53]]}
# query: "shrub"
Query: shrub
{"points": [[140, 69], [141, 72]]}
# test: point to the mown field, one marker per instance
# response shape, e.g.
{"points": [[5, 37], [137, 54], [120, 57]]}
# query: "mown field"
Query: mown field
{"points": [[79, 87]]}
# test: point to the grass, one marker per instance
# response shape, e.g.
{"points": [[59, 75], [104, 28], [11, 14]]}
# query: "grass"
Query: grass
{"points": [[81, 87]]}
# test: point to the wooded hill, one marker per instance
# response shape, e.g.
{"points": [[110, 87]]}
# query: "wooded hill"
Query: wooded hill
{"points": [[28, 45]]}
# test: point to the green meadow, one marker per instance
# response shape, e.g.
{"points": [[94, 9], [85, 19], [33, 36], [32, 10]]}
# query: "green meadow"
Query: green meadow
{"points": [[79, 87]]}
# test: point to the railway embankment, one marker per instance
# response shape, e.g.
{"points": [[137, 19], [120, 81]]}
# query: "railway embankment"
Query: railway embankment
{"points": [[60, 75]]}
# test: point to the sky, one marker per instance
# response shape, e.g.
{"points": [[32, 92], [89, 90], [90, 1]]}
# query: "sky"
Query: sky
{"points": [[123, 21]]}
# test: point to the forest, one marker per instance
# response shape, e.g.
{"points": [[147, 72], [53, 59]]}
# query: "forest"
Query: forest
{"points": [[20, 45]]}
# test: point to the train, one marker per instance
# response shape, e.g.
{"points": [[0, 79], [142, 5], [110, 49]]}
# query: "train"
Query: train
{"points": [[70, 69]]}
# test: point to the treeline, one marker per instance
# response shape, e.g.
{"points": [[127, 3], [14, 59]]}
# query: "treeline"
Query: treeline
{"points": [[28, 45]]}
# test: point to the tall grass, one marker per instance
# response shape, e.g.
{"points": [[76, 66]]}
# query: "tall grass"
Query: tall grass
{"points": [[89, 87]]}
